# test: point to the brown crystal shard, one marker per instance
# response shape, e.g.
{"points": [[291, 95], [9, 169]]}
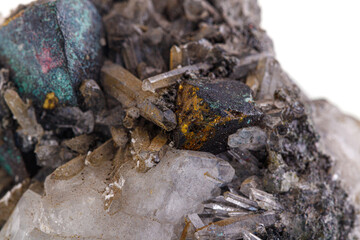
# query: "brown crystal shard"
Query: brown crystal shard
{"points": [[119, 135], [24, 115], [132, 114], [158, 142], [121, 84], [163, 118], [146, 152], [253, 83], [271, 78], [101, 154], [196, 52], [93, 96], [129, 56], [126, 88], [80, 144], [244, 66], [175, 57], [210, 110], [69, 169]]}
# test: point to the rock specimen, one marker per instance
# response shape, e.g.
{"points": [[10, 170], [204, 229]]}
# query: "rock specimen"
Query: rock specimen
{"points": [[154, 202], [209, 111], [182, 80], [339, 134], [59, 46]]}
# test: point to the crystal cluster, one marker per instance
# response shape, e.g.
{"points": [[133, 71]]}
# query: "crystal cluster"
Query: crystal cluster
{"points": [[190, 129], [154, 202]]}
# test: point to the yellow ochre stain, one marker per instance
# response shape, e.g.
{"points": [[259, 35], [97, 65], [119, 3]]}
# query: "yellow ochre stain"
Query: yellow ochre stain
{"points": [[195, 120], [51, 101]]}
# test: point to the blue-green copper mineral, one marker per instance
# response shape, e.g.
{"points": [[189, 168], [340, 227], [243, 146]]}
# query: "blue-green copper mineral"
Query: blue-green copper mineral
{"points": [[10, 157], [51, 46]]}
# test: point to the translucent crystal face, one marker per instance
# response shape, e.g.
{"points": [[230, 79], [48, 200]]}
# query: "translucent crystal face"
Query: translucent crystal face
{"points": [[154, 201]]}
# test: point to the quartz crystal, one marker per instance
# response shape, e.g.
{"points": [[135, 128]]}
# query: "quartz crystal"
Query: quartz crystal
{"points": [[240, 201], [155, 202], [126, 88], [175, 57], [169, 78], [251, 138], [232, 228], [24, 116]]}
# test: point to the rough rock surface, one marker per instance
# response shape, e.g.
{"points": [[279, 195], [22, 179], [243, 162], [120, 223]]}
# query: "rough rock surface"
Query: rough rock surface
{"points": [[339, 137]]}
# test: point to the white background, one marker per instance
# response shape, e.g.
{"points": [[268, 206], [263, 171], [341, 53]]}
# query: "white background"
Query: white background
{"points": [[317, 42]]}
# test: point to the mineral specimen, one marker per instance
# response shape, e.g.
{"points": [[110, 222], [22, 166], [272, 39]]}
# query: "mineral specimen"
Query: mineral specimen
{"points": [[182, 80], [24, 115], [154, 202], [51, 154], [80, 144], [93, 96], [126, 88], [59, 46], [251, 138], [339, 136], [209, 111], [167, 79]]}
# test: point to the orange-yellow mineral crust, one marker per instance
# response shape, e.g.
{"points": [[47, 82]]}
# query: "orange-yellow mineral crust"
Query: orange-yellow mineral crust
{"points": [[207, 113]]}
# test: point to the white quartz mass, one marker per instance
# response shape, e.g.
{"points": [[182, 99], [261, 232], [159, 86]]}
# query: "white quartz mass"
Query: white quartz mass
{"points": [[155, 202]]}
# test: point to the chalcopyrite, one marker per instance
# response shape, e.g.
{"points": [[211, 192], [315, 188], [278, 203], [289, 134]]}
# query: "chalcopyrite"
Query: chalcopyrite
{"points": [[189, 128], [51, 46]]}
